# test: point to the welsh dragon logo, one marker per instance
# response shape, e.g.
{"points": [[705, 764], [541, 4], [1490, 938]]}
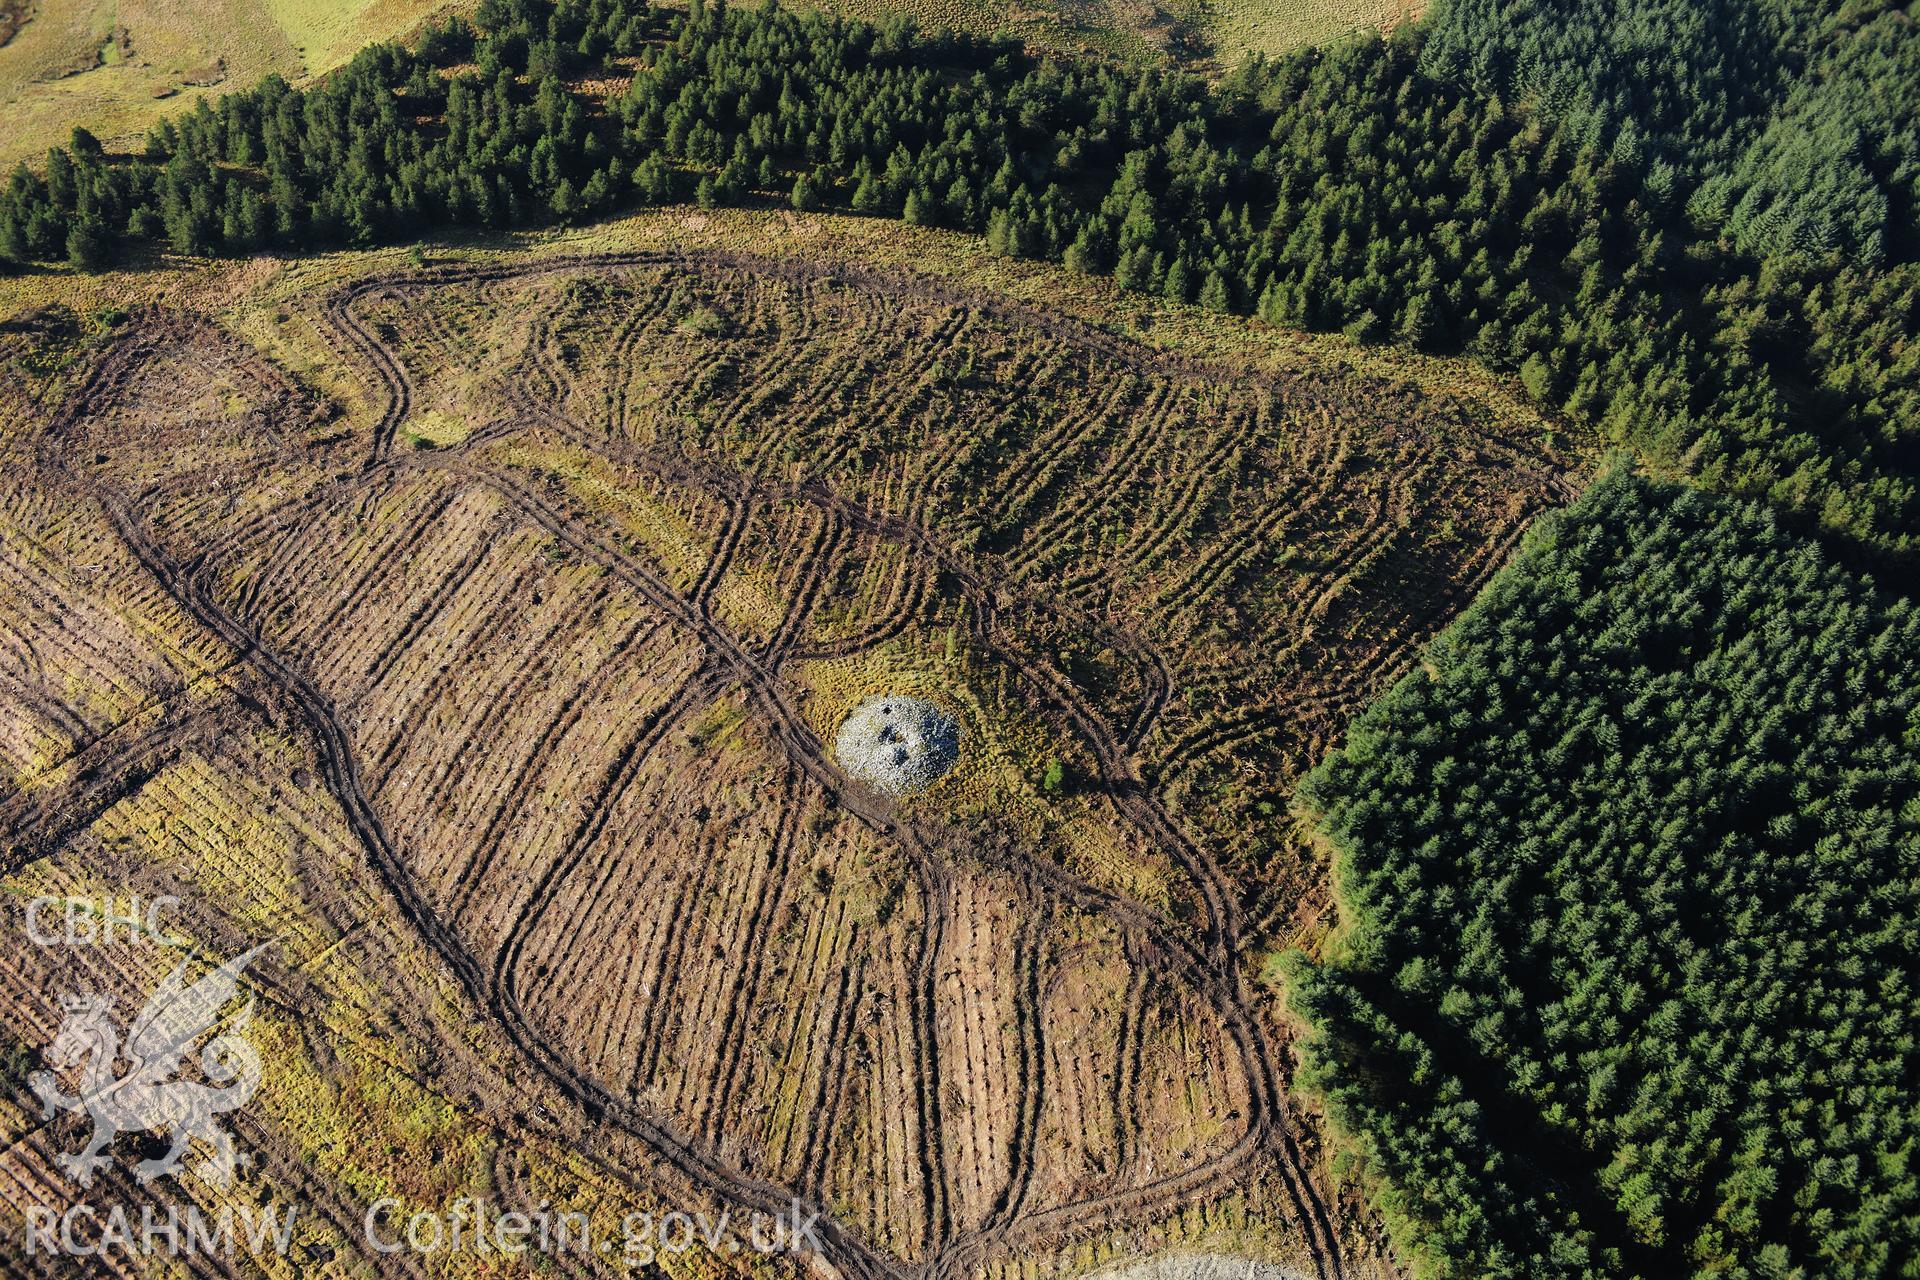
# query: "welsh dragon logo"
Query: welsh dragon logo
{"points": [[148, 1096]]}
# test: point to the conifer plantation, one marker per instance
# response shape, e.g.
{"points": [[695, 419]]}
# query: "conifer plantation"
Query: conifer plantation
{"points": [[1629, 876]]}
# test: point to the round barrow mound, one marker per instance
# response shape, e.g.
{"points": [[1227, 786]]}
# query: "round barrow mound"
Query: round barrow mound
{"points": [[898, 745]]}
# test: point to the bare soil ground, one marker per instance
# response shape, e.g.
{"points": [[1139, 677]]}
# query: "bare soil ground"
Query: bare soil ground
{"points": [[480, 635]]}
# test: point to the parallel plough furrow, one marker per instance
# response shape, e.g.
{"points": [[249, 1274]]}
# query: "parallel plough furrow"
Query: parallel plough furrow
{"points": [[912, 587], [501, 612], [512, 799], [1126, 454], [824, 548], [588, 830], [1132, 1038], [834, 1078], [795, 737], [1053, 457], [730, 1058], [36, 821], [1317, 472], [738, 512], [427, 610], [378, 558], [1213, 471], [1159, 453]]}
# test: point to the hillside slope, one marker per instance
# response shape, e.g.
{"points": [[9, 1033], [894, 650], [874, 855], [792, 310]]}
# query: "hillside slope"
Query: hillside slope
{"points": [[548, 579], [114, 67]]}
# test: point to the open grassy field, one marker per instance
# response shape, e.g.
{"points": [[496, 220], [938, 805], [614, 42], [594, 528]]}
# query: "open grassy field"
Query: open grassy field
{"points": [[477, 628], [1207, 34], [116, 66], [1233, 29]]}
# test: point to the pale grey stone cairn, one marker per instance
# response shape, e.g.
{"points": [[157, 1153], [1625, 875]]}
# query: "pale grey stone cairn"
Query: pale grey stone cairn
{"points": [[898, 745]]}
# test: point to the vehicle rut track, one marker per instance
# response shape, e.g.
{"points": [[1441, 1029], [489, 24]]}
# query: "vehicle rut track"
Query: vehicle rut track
{"points": [[934, 1131], [1207, 966], [297, 515], [36, 821], [28, 680], [341, 777], [1132, 1038], [487, 847], [724, 1081], [960, 440], [936, 891], [365, 351], [1132, 799], [44, 708], [847, 371], [1204, 575]]}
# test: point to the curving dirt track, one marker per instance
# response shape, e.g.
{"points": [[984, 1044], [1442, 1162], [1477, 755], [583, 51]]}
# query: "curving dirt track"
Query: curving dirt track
{"points": [[569, 678]]}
